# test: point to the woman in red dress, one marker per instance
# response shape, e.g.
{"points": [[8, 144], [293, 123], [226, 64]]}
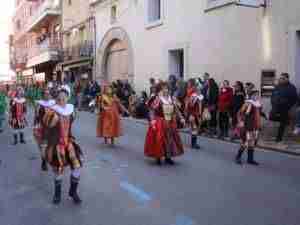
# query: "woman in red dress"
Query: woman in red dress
{"points": [[162, 139], [109, 121]]}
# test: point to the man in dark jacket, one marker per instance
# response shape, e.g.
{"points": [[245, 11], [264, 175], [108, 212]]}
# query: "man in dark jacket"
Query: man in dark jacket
{"points": [[284, 97]]}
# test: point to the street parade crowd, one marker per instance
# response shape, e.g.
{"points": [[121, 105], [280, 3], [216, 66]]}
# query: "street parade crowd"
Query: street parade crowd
{"points": [[198, 104]]}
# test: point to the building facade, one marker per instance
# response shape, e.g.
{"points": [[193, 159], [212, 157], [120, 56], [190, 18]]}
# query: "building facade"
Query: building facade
{"points": [[247, 40], [36, 41], [78, 38]]}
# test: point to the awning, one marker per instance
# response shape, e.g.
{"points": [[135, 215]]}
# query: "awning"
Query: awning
{"points": [[67, 68], [66, 65]]}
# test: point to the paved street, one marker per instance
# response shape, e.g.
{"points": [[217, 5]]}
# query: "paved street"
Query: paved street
{"points": [[120, 187]]}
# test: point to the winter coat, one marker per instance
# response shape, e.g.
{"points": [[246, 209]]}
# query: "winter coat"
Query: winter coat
{"points": [[284, 97], [225, 99]]}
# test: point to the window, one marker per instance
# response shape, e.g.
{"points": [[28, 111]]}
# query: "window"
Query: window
{"points": [[82, 34], [30, 11], [267, 82], [18, 24], [154, 10], [113, 14]]}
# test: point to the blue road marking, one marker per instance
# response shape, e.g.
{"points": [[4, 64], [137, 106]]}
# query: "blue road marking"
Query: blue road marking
{"points": [[138, 194], [184, 220]]}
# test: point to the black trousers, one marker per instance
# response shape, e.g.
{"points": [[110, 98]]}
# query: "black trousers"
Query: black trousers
{"points": [[213, 121], [224, 123], [284, 120]]}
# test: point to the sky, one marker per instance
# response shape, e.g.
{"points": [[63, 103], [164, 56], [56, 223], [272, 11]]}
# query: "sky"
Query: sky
{"points": [[7, 7]]}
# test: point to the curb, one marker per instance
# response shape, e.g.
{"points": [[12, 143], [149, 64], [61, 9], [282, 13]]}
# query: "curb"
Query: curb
{"points": [[265, 147]]}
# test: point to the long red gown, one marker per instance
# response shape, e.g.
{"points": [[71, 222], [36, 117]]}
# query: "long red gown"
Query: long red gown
{"points": [[109, 122], [162, 139]]}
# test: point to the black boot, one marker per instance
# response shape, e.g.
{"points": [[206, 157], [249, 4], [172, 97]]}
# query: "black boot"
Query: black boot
{"points": [[73, 190], [239, 155], [194, 142], [44, 166], [22, 140], [251, 157], [15, 139], [57, 192], [169, 161], [158, 162]]}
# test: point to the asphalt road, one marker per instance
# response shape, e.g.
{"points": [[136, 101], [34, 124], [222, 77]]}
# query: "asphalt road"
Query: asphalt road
{"points": [[120, 187]]}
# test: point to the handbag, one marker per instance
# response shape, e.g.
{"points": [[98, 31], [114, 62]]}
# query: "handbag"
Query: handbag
{"points": [[206, 115]]}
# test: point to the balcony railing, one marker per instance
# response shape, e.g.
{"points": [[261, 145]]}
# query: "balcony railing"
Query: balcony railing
{"points": [[46, 9], [85, 49], [45, 46]]}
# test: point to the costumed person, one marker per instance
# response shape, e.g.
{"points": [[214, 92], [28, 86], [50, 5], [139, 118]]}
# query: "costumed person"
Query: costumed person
{"points": [[162, 139], [39, 130], [3, 107], [193, 109], [109, 121], [17, 118], [250, 126], [62, 150]]}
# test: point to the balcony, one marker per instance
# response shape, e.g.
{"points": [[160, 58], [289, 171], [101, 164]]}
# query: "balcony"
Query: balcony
{"points": [[47, 11], [44, 52], [78, 52], [18, 61]]}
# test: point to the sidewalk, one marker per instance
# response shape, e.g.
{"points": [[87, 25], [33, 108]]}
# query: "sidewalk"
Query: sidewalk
{"points": [[290, 146]]}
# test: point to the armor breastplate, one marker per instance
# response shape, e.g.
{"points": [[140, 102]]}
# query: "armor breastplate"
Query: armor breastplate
{"points": [[168, 110]]}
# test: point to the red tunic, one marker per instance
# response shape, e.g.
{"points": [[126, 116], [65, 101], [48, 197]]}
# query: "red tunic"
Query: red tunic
{"points": [[17, 113], [193, 105], [162, 139]]}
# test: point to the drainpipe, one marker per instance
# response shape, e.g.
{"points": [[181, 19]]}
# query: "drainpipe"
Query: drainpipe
{"points": [[95, 47], [61, 37]]}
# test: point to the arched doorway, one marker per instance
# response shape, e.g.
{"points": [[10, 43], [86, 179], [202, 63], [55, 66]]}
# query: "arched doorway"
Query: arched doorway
{"points": [[115, 57], [116, 62]]}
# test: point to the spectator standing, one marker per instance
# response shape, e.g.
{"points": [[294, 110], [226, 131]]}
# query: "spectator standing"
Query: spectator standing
{"points": [[152, 86], [237, 103], [211, 99], [224, 106], [172, 84], [127, 92], [284, 97], [3, 107], [249, 87]]}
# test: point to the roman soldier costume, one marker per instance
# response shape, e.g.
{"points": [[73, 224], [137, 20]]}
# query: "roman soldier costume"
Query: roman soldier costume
{"points": [[62, 150], [17, 119], [162, 139], [39, 130], [193, 109], [249, 118]]}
